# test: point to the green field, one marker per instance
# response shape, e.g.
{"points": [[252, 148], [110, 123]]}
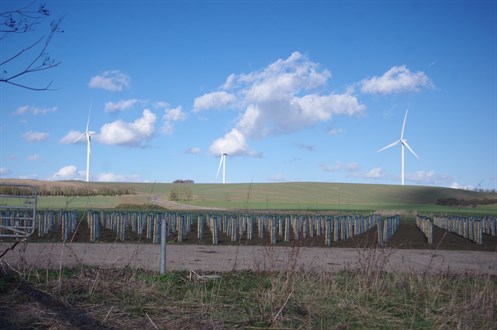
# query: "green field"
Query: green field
{"points": [[282, 196]]}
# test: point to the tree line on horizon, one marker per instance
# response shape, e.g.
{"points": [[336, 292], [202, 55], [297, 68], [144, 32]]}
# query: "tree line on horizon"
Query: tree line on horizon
{"points": [[69, 191]]}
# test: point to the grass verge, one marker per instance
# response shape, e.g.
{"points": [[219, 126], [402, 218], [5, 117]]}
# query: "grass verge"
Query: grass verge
{"points": [[128, 298]]}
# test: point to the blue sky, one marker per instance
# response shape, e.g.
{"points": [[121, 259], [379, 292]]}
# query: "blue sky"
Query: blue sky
{"points": [[290, 90]]}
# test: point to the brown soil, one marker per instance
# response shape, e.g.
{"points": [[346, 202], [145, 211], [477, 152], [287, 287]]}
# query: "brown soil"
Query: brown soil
{"points": [[408, 236]]}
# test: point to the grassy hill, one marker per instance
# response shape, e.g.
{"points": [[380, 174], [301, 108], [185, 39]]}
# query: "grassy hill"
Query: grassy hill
{"points": [[287, 196]]}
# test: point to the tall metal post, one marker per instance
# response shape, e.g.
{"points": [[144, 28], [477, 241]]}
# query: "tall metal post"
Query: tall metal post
{"points": [[163, 244]]}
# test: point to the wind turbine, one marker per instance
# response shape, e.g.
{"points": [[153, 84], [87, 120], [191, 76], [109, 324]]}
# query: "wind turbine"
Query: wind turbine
{"points": [[403, 142], [222, 162], [88, 135]]}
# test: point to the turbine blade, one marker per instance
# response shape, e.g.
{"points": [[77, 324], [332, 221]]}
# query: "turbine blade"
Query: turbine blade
{"points": [[88, 121], [220, 151], [79, 138], [390, 145], [403, 126], [219, 167], [412, 151]]}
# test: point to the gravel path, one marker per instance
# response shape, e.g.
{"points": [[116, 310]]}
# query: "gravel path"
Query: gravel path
{"points": [[209, 258]]}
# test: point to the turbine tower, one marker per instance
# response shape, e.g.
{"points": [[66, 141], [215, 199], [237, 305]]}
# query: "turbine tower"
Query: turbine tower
{"points": [[88, 135], [403, 142], [222, 161]]}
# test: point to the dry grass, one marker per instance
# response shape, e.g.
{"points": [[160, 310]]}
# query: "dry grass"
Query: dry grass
{"points": [[362, 298]]}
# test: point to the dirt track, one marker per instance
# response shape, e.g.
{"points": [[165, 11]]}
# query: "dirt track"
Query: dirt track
{"points": [[203, 258]]}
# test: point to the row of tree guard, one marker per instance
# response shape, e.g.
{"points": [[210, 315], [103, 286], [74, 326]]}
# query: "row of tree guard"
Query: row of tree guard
{"points": [[234, 226], [471, 228], [426, 226]]}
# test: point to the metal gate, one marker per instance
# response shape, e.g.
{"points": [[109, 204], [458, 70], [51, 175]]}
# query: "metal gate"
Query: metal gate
{"points": [[17, 210]]}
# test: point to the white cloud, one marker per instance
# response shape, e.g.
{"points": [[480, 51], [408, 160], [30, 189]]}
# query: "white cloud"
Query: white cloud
{"points": [[214, 100], [282, 80], [339, 166], [316, 108], [34, 157], [456, 185], [281, 98], [396, 80], [170, 117], [375, 173], [335, 131], [428, 178], [353, 170], [175, 114], [328, 168], [4, 171], [35, 136], [72, 137], [278, 177], [112, 177], [233, 144], [132, 134], [69, 172], [34, 110], [167, 128], [112, 80], [192, 150], [121, 105], [276, 102], [161, 104]]}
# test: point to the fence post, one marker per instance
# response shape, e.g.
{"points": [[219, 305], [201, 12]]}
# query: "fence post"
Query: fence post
{"points": [[163, 245]]}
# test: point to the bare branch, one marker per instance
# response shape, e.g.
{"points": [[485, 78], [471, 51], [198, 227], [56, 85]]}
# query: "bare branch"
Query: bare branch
{"points": [[13, 57], [47, 87], [24, 20]]}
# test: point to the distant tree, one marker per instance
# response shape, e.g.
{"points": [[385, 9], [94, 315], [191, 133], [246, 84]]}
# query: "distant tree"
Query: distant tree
{"points": [[187, 181], [33, 57]]}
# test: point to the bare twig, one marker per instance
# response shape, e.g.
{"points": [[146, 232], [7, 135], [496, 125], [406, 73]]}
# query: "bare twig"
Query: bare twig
{"points": [[2, 262], [24, 20], [155, 326], [286, 301], [12, 247], [106, 316]]}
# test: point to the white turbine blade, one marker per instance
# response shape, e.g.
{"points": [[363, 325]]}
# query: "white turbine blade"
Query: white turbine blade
{"points": [[219, 167], [403, 126], [79, 138], [412, 151], [88, 121], [220, 151], [390, 145]]}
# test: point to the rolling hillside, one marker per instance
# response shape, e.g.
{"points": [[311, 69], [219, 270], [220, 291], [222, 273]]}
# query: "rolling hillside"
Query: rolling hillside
{"points": [[289, 195]]}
